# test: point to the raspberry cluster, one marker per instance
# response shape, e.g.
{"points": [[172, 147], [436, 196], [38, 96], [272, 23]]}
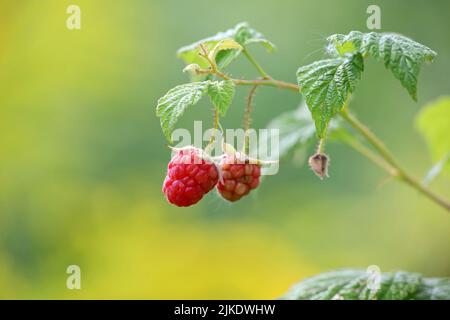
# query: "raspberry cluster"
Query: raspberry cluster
{"points": [[190, 175]]}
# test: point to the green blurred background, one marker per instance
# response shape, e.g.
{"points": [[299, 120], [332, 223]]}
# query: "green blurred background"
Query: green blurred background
{"points": [[82, 156]]}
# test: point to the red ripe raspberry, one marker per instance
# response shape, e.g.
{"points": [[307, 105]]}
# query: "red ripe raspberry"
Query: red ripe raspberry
{"points": [[239, 177], [189, 176]]}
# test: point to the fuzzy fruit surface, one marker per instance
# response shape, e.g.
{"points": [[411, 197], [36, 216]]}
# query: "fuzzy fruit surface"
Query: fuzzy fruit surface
{"points": [[239, 177], [189, 177]]}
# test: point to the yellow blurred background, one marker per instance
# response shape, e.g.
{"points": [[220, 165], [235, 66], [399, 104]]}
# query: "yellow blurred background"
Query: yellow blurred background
{"points": [[82, 157]]}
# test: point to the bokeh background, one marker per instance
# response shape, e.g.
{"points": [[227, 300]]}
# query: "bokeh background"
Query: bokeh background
{"points": [[82, 157]]}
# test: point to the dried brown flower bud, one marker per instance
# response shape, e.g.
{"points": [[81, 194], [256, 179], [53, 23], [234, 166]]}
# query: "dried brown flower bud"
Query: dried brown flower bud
{"points": [[319, 164]]}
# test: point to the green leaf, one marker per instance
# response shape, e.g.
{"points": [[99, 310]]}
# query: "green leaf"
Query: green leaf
{"points": [[245, 35], [433, 122], [222, 45], [353, 285], [342, 44], [173, 104], [403, 56], [326, 86], [241, 33], [221, 94], [297, 130], [433, 289]]}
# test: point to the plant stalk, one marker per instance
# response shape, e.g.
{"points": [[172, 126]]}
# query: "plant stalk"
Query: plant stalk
{"points": [[247, 117], [259, 82], [267, 82], [321, 146], [399, 172], [255, 64]]}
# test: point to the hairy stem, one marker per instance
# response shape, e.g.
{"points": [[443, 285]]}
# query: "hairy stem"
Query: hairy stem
{"points": [[249, 108], [260, 82], [267, 82], [247, 116], [215, 125]]}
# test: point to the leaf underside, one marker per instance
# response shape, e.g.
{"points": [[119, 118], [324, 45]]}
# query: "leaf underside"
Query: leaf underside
{"points": [[173, 104], [354, 285], [326, 86]]}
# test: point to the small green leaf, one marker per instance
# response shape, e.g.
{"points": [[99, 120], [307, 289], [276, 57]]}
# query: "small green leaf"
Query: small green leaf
{"points": [[353, 285], [246, 35], [403, 56], [226, 44], [221, 94], [342, 44], [433, 122], [241, 33], [191, 53], [326, 86], [173, 104]]}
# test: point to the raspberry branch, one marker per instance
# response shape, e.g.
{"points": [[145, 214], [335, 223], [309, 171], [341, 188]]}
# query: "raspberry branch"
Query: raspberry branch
{"points": [[384, 159]]}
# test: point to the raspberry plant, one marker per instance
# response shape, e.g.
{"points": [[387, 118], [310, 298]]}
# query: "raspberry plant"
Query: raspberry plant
{"points": [[326, 86]]}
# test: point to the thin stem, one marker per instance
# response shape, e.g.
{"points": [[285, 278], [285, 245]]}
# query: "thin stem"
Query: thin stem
{"points": [[205, 55], [249, 108], [215, 125], [260, 82], [255, 64], [425, 191], [247, 116], [399, 172], [267, 82], [321, 146]]}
